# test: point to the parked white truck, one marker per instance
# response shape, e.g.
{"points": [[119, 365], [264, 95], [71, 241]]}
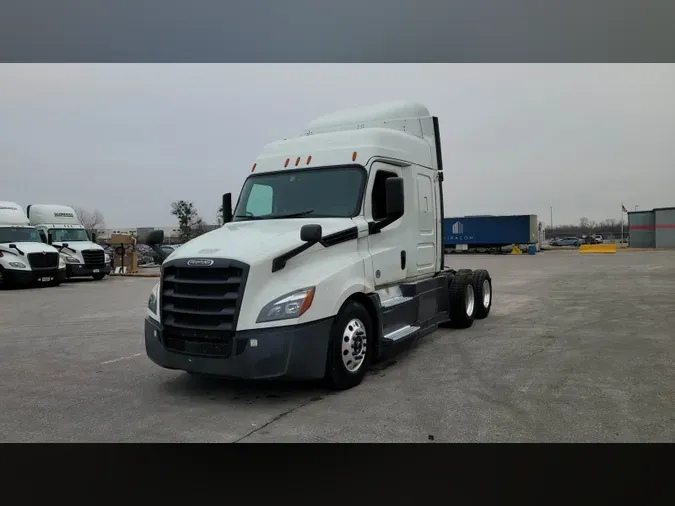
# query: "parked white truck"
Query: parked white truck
{"points": [[334, 253], [60, 227], [24, 258]]}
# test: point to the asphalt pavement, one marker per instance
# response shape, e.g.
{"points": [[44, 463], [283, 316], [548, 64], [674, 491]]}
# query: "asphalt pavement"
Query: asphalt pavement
{"points": [[577, 348]]}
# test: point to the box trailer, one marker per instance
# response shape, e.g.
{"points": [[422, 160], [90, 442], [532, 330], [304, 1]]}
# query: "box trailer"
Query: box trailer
{"points": [[490, 231]]}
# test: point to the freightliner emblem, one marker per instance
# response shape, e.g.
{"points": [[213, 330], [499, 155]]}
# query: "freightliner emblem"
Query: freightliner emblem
{"points": [[200, 262]]}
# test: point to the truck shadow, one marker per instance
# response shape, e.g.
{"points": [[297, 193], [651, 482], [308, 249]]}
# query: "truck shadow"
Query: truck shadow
{"points": [[245, 391]]}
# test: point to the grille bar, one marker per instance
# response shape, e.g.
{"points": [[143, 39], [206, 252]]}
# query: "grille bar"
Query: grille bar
{"points": [[200, 306], [228, 281], [173, 293]]}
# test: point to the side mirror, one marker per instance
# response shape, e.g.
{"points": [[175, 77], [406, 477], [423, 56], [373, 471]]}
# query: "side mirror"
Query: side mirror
{"points": [[155, 237], [49, 238], [93, 237], [310, 233], [65, 244], [227, 208], [12, 246], [395, 197]]}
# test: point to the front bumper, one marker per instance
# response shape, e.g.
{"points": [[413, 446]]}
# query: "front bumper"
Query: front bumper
{"points": [[75, 270], [297, 352], [23, 277]]}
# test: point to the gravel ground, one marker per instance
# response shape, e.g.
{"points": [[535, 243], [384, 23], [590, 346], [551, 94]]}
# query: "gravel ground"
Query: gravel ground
{"points": [[577, 348]]}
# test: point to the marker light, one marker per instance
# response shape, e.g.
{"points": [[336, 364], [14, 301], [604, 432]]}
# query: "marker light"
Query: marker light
{"points": [[297, 161], [354, 156], [287, 162], [309, 159], [254, 166]]}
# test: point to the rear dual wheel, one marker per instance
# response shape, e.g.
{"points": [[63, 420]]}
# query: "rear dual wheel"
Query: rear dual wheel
{"points": [[470, 297], [483, 290]]}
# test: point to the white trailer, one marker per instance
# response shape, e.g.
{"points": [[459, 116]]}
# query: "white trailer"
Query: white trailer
{"points": [[333, 254], [60, 227], [24, 258]]}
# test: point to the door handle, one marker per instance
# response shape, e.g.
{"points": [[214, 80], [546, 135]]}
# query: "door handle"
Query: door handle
{"points": [[403, 260]]}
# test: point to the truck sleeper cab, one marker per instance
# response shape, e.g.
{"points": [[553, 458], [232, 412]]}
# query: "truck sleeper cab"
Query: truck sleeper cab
{"points": [[24, 259], [334, 253], [60, 227]]}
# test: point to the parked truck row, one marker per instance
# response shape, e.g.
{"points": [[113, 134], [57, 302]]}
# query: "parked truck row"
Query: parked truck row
{"points": [[46, 245], [333, 254]]}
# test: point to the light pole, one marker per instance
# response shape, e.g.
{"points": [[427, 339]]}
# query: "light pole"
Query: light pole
{"points": [[551, 224]]}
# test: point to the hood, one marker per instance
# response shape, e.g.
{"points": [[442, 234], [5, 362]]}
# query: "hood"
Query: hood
{"points": [[248, 240], [29, 247], [80, 245]]}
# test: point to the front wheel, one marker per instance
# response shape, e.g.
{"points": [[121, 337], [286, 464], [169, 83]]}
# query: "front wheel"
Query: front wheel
{"points": [[55, 282], [3, 279], [99, 276], [350, 348]]}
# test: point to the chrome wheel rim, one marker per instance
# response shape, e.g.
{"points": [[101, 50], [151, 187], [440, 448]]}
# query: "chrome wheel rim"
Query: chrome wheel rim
{"points": [[469, 300], [354, 345], [487, 293]]}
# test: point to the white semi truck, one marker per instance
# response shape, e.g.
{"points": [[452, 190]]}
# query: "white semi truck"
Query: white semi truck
{"points": [[60, 227], [24, 258], [333, 254]]}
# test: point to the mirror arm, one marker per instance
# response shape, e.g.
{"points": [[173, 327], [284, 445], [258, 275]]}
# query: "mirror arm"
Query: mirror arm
{"points": [[280, 262], [375, 227]]}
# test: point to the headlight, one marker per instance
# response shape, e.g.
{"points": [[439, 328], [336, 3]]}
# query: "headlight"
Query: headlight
{"points": [[18, 265], [153, 301], [62, 264], [291, 305], [71, 260], [107, 258]]}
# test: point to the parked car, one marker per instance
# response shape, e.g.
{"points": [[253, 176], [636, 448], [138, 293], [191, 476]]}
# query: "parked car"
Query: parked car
{"points": [[168, 248], [567, 241]]}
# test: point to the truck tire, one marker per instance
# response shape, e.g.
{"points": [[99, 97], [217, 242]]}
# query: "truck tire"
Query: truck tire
{"points": [[462, 299], [3, 279], [54, 282], [482, 283], [350, 348], [99, 276]]}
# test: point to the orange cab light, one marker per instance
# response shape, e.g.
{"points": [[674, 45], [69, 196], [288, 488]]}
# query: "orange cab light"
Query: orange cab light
{"points": [[354, 156], [307, 302], [254, 166], [309, 159], [287, 162], [297, 161]]}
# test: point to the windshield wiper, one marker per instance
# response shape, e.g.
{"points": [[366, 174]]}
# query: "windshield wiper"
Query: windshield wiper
{"points": [[275, 216], [289, 215]]}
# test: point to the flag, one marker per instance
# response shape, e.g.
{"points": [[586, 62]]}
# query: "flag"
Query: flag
{"points": [[623, 208]]}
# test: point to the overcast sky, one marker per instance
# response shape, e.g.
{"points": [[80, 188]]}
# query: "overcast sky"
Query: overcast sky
{"points": [[130, 139]]}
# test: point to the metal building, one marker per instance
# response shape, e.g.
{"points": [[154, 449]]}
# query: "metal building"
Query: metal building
{"points": [[641, 229], [664, 227], [652, 229]]}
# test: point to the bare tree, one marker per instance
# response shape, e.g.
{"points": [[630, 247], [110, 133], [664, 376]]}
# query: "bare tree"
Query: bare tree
{"points": [[90, 220], [190, 223]]}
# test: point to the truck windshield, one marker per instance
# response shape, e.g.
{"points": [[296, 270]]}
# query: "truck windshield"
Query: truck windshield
{"points": [[18, 234], [316, 193], [68, 234]]}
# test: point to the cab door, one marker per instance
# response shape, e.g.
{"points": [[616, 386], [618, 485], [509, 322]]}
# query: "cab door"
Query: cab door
{"points": [[388, 247]]}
